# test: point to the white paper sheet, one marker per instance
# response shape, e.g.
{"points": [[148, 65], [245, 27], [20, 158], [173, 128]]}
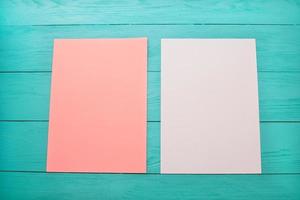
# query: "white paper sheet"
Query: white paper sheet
{"points": [[209, 106]]}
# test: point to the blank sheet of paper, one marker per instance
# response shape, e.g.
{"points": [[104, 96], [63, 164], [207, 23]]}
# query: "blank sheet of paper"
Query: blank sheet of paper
{"points": [[209, 106], [98, 106]]}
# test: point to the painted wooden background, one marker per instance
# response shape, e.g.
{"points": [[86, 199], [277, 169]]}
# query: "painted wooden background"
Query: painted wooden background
{"points": [[27, 30]]}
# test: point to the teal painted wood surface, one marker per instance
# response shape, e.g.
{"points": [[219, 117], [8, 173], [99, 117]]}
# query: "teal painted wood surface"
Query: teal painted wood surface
{"points": [[128, 186], [25, 96], [39, 12], [278, 47], [23, 147], [27, 30]]}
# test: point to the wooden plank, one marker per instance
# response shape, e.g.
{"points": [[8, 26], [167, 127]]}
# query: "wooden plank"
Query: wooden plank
{"points": [[280, 147], [23, 147], [279, 96], [25, 96], [29, 48], [40, 12], [133, 186], [153, 147]]}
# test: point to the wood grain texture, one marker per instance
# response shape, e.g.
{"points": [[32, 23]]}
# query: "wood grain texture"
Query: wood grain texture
{"points": [[29, 48], [25, 96], [39, 12], [132, 186], [27, 30], [278, 141], [23, 147]]}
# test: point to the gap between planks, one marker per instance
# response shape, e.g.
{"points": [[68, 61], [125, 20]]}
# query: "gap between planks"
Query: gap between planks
{"points": [[150, 121], [159, 24], [150, 173], [47, 71]]}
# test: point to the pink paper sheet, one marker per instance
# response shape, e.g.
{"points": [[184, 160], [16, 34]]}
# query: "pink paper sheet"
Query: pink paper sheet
{"points": [[98, 106]]}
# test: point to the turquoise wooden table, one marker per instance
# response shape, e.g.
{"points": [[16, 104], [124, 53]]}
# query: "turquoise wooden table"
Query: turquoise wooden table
{"points": [[27, 30]]}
